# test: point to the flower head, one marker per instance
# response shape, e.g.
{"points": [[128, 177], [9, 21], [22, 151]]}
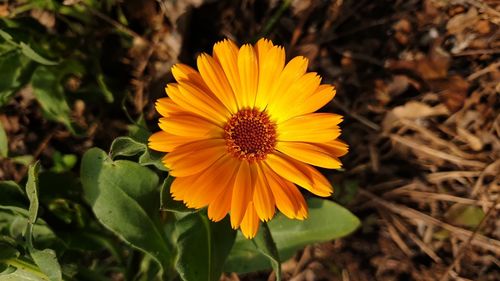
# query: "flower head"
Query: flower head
{"points": [[241, 133]]}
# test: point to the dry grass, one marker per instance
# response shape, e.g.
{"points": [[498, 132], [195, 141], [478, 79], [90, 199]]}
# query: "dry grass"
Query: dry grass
{"points": [[419, 84]]}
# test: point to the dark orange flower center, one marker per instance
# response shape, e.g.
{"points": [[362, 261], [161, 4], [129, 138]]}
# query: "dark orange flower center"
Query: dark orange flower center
{"points": [[250, 135]]}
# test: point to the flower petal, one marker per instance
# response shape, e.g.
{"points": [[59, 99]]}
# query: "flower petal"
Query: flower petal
{"points": [[299, 173], [194, 100], [335, 147], [185, 73], [190, 125], [166, 142], [166, 106], [285, 201], [271, 63], [310, 154], [292, 190], [242, 191], [282, 105], [216, 80], [248, 69], [313, 127], [263, 198], [219, 208], [322, 95], [181, 187], [293, 70], [226, 53], [194, 157], [211, 182], [250, 223], [263, 46]]}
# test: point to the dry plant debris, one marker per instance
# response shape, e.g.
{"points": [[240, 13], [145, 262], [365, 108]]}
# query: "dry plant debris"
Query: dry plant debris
{"points": [[419, 83]]}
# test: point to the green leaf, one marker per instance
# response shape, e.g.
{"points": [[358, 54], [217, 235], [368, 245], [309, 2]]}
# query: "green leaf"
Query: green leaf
{"points": [[203, 246], [14, 221], [4, 145], [23, 271], [30, 53], [465, 215], [6, 36], [63, 162], [327, 221], [46, 260], [22, 159], [32, 192], [15, 72], [266, 246], [152, 158], [10, 63], [49, 92], [106, 92], [7, 251], [6, 269], [123, 196], [126, 146], [139, 130]]}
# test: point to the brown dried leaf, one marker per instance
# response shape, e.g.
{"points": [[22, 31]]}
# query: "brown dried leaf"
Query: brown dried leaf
{"points": [[453, 91], [462, 21], [4, 10], [474, 142], [431, 67], [300, 6], [412, 110], [44, 17]]}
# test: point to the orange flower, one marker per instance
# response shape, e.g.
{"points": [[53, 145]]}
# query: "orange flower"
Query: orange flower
{"points": [[241, 132]]}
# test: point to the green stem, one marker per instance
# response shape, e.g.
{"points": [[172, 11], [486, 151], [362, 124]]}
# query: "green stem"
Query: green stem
{"points": [[274, 19], [20, 264]]}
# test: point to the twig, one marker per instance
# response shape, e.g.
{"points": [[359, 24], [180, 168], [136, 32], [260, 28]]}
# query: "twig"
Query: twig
{"points": [[436, 153], [361, 119], [393, 232], [36, 154], [116, 24], [358, 56], [426, 249], [462, 234], [490, 68], [369, 25], [464, 247], [477, 52], [426, 196]]}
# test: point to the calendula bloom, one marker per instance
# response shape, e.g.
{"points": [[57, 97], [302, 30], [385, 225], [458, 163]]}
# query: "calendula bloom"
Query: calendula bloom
{"points": [[241, 133]]}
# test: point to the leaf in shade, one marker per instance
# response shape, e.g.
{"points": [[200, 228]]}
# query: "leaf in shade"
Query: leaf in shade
{"points": [[45, 259], [203, 247], [124, 197], [4, 144], [266, 246], [327, 221], [30, 53], [49, 92], [126, 146]]}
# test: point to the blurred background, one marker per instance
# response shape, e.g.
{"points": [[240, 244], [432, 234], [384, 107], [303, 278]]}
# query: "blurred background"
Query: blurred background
{"points": [[418, 82]]}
